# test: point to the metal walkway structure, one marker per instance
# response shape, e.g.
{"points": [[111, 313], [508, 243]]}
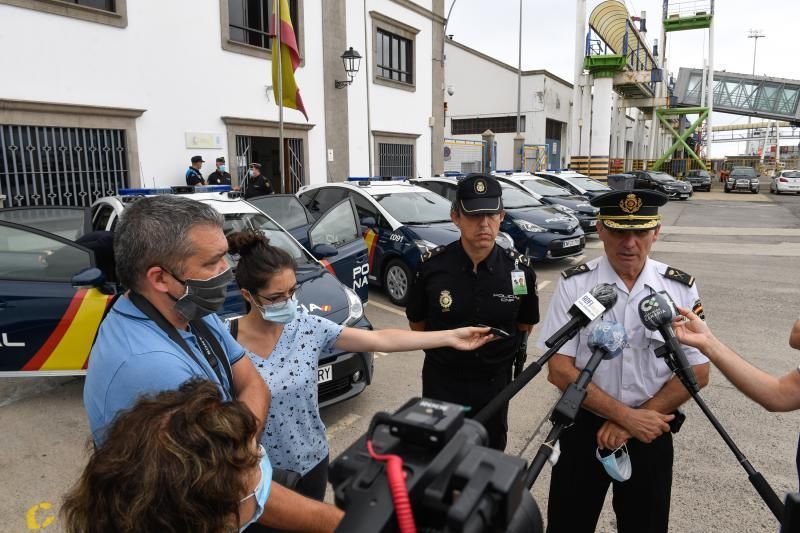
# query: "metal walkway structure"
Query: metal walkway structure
{"points": [[743, 94]]}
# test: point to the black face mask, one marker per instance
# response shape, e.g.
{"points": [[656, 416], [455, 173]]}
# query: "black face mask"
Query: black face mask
{"points": [[202, 296]]}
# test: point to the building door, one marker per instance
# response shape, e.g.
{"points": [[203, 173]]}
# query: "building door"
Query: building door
{"points": [[553, 142], [264, 150]]}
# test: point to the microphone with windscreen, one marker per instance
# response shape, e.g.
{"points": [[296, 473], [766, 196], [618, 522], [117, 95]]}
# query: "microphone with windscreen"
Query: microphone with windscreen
{"points": [[585, 309], [656, 312], [606, 340]]}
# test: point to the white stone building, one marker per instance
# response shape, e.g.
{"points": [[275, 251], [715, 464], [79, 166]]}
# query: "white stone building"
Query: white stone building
{"points": [[101, 94], [484, 96]]}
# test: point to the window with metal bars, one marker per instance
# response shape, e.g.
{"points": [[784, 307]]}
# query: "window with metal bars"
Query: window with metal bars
{"points": [[476, 126], [394, 57], [105, 5], [42, 165], [395, 159], [249, 21]]}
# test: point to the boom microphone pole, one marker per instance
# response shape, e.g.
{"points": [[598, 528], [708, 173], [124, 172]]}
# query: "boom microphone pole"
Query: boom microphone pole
{"points": [[656, 312], [606, 341], [588, 307]]}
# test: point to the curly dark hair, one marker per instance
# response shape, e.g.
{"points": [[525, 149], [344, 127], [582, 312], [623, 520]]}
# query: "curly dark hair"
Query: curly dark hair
{"points": [[175, 462], [259, 261]]}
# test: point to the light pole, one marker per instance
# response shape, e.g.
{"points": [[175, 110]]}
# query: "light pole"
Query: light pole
{"points": [[755, 35]]}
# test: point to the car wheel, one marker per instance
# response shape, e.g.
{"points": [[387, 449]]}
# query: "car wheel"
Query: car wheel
{"points": [[755, 191], [396, 282]]}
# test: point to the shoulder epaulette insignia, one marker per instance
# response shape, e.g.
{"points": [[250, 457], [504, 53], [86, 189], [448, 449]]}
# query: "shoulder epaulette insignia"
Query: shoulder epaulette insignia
{"points": [[574, 271], [679, 275], [521, 258], [432, 253]]}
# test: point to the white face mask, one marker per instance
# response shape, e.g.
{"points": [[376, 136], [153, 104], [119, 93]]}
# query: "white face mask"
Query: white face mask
{"points": [[619, 468]]}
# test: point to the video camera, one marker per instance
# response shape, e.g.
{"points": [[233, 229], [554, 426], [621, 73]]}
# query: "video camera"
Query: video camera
{"points": [[455, 483]]}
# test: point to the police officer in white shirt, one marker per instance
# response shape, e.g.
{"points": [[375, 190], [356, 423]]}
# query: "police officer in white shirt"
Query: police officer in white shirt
{"points": [[632, 398]]}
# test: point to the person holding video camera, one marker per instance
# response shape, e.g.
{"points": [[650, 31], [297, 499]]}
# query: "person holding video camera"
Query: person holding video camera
{"points": [[473, 281], [775, 394], [632, 398]]}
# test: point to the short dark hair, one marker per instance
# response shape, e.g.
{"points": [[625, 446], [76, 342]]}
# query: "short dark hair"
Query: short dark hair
{"points": [[176, 461], [154, 231], [259, 261]]}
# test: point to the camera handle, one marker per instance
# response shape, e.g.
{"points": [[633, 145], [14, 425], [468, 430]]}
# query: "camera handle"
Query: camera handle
{"points": [[756, 479]]}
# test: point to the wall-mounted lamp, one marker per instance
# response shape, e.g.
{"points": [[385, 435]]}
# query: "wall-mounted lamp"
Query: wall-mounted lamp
{"points": [[352, 61]]}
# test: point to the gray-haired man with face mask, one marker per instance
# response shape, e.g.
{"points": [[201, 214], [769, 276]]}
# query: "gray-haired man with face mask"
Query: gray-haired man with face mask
{"points": [[170, 254]]}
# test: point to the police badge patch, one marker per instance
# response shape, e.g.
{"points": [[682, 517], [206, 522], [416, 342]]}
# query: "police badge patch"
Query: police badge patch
{"points": [[445, 300], [697, 309], [631, 204]]}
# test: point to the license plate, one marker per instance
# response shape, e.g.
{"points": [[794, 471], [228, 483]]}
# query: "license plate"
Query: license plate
{"points": [[684, 195], [324, 374], [570, 243]]}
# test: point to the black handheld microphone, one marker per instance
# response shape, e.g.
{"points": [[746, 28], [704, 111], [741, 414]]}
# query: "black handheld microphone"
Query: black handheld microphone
{"points": [[656, 312], [585, 309]]}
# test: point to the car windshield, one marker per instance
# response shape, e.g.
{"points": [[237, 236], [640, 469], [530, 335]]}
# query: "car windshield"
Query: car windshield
{"points": [[791, 174], [544, 187], [257, 221], [415, 207], [702, 174], [587, 183], [514, 198], [286, 210], [660, 177], [743, 173]]}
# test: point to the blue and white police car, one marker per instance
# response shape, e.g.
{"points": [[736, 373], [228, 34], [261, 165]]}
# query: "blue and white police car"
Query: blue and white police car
{"points": [[549, 193], [53, 297], [400, 222]]}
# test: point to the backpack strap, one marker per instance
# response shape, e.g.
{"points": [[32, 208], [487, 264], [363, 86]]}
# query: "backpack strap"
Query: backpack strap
{"points": [[200, 329]]}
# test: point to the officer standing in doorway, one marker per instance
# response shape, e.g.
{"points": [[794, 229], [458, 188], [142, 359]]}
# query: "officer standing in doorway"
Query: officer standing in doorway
{"points": [[469, 282]]}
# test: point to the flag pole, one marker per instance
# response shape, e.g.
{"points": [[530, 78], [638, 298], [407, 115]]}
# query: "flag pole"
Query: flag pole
{"points": [[278, 24]]}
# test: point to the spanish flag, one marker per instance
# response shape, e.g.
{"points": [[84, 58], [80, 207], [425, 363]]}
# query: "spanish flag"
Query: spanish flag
{"points": [[290, 58]]}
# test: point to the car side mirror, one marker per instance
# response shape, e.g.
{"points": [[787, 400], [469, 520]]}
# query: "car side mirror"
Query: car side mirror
{"points": [[321, 251], [368, 221], [88, 278]]}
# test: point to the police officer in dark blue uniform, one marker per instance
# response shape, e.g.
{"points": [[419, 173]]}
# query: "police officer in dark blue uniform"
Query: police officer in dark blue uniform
{"points": [[193, 175], [474, 281]]}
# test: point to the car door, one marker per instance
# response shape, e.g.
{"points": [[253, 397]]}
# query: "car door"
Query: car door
{"points": [[46, 324], [339, 228], [376, 231]]}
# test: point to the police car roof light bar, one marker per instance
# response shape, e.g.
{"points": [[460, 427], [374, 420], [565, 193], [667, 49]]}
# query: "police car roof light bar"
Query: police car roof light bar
{"points": [[176, 189]]}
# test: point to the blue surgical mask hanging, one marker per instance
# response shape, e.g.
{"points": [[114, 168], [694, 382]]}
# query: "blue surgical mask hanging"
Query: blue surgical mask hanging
{"points": [[619, 468], [262, 490]]}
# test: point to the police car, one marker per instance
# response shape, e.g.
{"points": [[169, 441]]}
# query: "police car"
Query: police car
{"points": [[549, 193], [576, 183], [400, 222], [540, 231], [52, 299], [339, 228]]}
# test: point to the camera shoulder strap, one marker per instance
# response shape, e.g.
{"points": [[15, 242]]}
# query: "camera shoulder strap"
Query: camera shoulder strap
{"points": [[208, 343]]}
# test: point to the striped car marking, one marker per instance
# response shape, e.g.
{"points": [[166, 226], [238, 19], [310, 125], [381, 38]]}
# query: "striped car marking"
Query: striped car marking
{"points": [[371, 239], [327, 265], [68, 346]]}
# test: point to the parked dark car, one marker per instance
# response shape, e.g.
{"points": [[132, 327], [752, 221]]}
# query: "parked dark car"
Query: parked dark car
{"points": [[663, 182], [742, 179], [700, 180]]}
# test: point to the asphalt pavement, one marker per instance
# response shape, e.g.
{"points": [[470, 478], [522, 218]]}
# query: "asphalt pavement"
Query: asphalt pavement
{"points": [[742, 249]]}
